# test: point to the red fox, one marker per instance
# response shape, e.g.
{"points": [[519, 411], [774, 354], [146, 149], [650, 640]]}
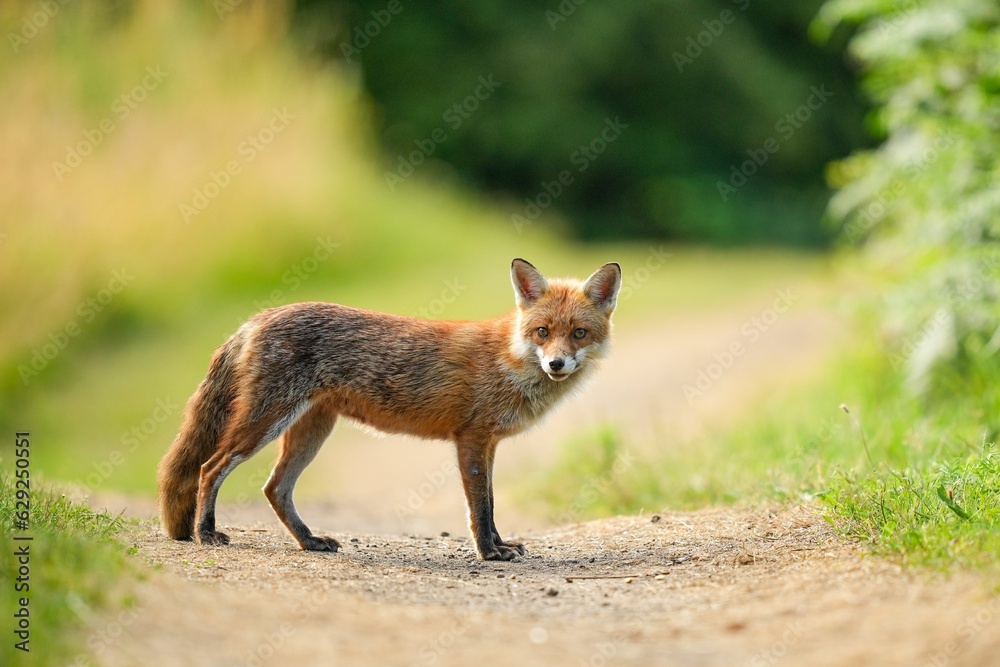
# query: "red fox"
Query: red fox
{"points": [[291, 371]]}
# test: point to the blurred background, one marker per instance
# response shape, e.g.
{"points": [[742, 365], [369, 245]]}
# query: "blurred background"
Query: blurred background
{"points": [[812, 183]]}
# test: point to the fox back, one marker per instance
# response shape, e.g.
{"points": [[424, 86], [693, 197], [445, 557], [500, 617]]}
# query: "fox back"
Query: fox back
{"points": [[431, 378]]}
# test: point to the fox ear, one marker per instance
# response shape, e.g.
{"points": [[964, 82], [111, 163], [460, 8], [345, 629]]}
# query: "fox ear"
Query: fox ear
{"points": [[529, 284], [603, 285]]}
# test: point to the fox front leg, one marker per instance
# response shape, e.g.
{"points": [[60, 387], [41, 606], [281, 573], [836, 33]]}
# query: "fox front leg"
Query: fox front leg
{"points": [[497, 540], [473, 463]]}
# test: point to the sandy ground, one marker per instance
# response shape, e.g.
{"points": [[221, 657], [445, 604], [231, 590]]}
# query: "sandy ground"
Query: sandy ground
{"points": [[754, 587], [719, 587]]}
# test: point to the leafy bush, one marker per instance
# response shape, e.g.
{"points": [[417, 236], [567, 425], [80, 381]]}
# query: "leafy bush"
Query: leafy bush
{"points": [[925, 203]]}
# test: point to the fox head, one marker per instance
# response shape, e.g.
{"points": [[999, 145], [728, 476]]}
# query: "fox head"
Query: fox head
{"points": [[563, 325]]}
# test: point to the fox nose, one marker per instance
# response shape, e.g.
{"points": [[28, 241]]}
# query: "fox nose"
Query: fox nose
{"points": [[557, 364]]}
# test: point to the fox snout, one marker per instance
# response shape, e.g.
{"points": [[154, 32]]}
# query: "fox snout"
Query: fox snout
{"points": [[559, 366]]}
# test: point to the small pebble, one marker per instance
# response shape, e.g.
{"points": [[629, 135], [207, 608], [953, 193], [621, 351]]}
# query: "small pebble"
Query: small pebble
{"points": [[445, 533], [660, 577], [552, 592], [629, 580], [656, 518]]}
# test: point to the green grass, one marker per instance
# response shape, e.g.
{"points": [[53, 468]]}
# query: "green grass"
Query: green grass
{"points": [[917, 479], [943, 514], [78, 568]]}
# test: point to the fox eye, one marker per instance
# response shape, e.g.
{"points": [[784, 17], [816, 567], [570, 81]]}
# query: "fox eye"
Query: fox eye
{"points": [[542, 332], [580, 333]]}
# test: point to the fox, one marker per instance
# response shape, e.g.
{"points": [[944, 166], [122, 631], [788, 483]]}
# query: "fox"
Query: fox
{"points": [[290, 372]]}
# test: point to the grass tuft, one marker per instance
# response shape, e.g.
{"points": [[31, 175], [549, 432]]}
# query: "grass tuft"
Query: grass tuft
{"points": [[77, 568]]}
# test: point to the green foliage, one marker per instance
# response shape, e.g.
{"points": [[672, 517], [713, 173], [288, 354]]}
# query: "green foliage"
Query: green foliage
{"points": [[78, 568], [594, 476], [925, 202], [943, 514], [696, 92]]}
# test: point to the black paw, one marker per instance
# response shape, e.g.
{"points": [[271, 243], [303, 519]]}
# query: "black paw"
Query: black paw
{"points": [[212, 537], [316, 543], [504, 552], [516, 546]]}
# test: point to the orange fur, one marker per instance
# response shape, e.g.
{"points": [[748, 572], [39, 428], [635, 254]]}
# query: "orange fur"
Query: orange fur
{"points": [[291, 371]]}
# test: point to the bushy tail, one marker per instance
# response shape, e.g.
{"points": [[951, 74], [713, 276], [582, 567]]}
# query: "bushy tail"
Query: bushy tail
{"points": [[205, 418]]}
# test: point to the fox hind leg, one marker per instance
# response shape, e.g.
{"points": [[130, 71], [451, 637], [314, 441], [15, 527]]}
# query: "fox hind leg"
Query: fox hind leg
{"points": [[299, 446], [242, 438]]}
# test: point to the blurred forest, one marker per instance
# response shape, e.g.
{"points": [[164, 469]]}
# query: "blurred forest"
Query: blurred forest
{"points": [[726, 139], [169, 169]]}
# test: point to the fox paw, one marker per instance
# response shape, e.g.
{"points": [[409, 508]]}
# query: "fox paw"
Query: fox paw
{"points": [[516, 546], [213, 537], [316, 543], [505, 551]]}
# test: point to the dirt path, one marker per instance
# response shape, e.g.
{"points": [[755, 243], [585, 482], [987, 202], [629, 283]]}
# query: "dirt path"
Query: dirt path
{"points": [[719, 587]]}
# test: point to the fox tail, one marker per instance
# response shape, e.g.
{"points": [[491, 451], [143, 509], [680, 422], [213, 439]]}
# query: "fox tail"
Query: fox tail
{"points": [[205, 418]]}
